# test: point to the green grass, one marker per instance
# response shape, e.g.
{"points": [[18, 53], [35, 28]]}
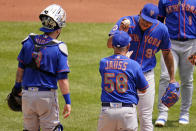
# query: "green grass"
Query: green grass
{"points": [[86, 45]]}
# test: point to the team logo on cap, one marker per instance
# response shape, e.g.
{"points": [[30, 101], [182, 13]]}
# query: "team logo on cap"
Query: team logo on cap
{"points": [[151, 12]]}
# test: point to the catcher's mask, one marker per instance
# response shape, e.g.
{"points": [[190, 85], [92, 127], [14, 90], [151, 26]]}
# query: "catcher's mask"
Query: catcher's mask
{"points": [[52, 17]]}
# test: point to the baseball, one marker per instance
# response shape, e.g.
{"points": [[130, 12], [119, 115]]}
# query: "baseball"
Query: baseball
{"points": [[126, 22]]}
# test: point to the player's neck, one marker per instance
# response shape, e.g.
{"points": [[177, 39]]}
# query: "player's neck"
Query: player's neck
{"points": [[120, 53]]}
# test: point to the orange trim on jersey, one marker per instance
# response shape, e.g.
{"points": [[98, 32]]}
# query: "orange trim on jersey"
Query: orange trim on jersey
{"points": [[142, 89], [63, 70], [134, 20], [118, 59], [20, 61], [165, 49], [179, 24], [184, 19], [147, 40], [137, 50]]}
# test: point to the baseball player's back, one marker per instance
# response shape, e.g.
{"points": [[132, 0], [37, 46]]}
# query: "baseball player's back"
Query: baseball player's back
{"points": [[42, 63], [121, 79], [180, 18], [45, 52]]}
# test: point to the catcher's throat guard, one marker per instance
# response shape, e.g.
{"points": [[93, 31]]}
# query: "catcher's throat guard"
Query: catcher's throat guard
{"points": [[171, 95]]}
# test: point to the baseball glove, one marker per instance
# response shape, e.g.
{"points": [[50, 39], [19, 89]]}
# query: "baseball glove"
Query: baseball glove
{"points": [[171, 94], [14, 100], [192, 59]]}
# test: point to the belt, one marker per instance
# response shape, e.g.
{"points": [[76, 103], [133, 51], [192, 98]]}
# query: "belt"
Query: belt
{"points": [[147, 71], [105, 104], [183, 39], [37, 89]]}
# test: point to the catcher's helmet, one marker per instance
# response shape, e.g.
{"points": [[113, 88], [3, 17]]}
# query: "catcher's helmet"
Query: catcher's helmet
{"points": [[52, 17]]}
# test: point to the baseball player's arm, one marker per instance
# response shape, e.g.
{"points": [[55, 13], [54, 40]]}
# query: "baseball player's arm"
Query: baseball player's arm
{"points": [[18, 85], [121, 25], [168, 58], [109, 43], [64, 87], [19, 74]]}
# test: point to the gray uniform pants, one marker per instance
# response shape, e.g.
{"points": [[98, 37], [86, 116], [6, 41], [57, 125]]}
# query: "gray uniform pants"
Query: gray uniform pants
{"points": [[118, 119], [146, 102], [181, 51], [40, 110]]}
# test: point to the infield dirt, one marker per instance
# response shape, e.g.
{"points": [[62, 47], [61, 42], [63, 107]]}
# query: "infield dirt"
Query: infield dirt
{"points": [[77, 10]]}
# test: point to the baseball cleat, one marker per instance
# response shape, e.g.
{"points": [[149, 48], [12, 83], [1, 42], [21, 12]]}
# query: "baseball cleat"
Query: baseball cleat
{"points": [[184, 120], [160, 122]]}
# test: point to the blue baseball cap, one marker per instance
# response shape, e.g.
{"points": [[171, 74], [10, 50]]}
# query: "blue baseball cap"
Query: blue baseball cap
{"points": [[150, 13], [121, 39]]}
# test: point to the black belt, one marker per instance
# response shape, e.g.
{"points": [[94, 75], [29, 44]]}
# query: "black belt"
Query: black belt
{"points": [[183, 39], [148, 71], [37, 88], [123, 104]]}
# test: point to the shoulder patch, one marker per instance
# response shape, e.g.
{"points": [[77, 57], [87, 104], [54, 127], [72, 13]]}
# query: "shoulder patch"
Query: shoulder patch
{"points": [[56, 41], [27, 38], [63, 48]]}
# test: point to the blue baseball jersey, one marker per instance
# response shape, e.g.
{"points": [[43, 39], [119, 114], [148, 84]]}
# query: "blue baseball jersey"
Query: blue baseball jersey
{"points": [[145, 44], [180, 18], [51, 61], [121, 78]]}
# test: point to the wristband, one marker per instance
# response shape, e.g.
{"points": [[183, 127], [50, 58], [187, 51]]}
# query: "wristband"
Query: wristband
{"points": [[18, 85], [67, 98]]}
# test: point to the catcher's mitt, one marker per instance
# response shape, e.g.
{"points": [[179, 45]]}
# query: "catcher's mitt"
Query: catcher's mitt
{"points": [[14, 100], [192, 59], [171, 95]]}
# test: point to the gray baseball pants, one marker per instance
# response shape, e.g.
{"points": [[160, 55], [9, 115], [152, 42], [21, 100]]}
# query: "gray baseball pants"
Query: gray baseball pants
{"points": [[181, 51], [40, 110], [118, 119]]}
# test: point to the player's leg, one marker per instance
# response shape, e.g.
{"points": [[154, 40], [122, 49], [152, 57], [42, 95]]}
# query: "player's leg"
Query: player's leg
{"points": [[107, 120], [49, 113], [128, 119], [186, 74], [163, 84], [31, 121], [146, 102]]}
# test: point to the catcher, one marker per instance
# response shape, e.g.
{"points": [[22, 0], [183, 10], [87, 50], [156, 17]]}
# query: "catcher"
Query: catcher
{"points": [[43, 61]]}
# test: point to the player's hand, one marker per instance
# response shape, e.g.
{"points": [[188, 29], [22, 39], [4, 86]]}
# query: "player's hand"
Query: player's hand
{"points": [[172, 81], [129, 53], [67, 110], [192, 59], [124, 26]]}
